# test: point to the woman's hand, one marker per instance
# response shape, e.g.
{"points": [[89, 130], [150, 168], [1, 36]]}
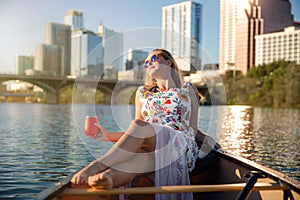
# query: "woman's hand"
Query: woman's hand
{"points": [[108, 136], [103, 134]]}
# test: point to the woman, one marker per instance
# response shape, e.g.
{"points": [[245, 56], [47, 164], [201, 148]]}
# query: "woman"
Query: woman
{"points": [[161, 139]]}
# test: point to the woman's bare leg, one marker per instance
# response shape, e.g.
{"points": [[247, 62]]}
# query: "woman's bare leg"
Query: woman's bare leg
{"points": [[140, 137], [124, 172]]}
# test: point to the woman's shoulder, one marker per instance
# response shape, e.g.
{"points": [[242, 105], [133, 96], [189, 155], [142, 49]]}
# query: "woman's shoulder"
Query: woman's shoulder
{"points": [[141, 88], [144, 90], [147, 88], [191, 89]]}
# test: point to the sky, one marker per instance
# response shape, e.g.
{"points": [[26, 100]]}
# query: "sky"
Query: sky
{"points": [[22, 21]]}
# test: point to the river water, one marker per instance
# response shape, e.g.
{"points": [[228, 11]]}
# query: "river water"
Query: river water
{"points": [[41, 144]]}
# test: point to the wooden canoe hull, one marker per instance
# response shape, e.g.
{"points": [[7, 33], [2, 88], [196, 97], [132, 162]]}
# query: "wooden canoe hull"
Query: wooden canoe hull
{"points": [[221, 177], [230, 169]]}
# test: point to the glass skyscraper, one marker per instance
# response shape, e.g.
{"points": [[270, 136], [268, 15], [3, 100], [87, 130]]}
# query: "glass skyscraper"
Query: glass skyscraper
{"points": [[48, 59], [60, 35], [74, 19], [23, 63], [182, 33], [112, 43], [87, 53]]}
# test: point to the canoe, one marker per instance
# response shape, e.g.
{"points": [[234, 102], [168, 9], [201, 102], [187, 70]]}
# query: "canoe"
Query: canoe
{"points": [[219, 175]]}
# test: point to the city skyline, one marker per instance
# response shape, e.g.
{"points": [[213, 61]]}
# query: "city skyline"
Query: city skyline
{"points": [[240, 23], [181, 35], [22, 22]]}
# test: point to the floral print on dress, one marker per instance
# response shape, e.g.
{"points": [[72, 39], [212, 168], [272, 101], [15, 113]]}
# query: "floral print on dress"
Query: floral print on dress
{"points": [[172, 108]]}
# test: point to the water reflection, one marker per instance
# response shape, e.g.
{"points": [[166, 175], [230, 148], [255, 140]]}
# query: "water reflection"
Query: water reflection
{"points": [[41, 144], [277, 139], [38, 146], [267, 136], [237, 131]]}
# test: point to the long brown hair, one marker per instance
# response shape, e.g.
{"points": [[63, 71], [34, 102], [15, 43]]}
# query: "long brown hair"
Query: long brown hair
{"points": [[176, 73]]}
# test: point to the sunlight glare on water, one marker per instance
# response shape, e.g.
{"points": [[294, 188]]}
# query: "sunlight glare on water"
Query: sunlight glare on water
{"points": [[41, 144]]}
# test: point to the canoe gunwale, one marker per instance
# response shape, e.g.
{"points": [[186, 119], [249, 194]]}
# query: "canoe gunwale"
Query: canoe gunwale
{"points": [[272, 174], [283, 182], [55, 189]]}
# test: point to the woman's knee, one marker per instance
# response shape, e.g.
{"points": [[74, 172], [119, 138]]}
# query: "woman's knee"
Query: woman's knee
{"points": [[140, 128], [139, 123]]}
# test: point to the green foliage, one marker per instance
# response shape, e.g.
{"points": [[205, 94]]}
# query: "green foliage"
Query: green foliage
{"points": [[83, 95], [66, 95], [274, 85], [127, 96]]}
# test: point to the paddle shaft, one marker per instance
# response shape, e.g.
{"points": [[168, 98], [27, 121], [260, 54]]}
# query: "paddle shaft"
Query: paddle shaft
{"points": [[169, 189]]}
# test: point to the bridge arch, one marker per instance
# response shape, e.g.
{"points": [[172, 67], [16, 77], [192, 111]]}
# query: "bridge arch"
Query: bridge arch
{"points": [[52, 86], [91, 88], [51, 93]]}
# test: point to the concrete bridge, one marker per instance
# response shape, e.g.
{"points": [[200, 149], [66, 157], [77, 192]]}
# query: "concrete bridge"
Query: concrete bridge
{"points": [[52, 86]]}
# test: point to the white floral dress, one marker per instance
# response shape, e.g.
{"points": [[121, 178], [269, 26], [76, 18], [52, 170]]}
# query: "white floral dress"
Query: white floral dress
{"points": [[176, 151]]}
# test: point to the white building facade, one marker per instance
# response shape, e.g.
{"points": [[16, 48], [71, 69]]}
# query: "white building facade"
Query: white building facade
{"points": [[277, 46], [113, 44], [87, 53], [182, 33]]}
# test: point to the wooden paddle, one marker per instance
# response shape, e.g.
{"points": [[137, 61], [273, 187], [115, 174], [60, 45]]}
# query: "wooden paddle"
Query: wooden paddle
{"points": [[169, 189]]}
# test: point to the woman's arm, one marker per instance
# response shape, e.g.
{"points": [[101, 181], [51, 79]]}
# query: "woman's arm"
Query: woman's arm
{"points": [[193, 92], [108, 136], [115, 136], [138, 106]]}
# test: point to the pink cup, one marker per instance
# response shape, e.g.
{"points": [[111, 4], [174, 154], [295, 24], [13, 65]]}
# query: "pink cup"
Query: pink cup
{"points": [[90, 127]]}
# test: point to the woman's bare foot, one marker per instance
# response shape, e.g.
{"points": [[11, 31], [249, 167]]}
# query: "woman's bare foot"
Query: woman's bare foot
{"points": [[82, 176], [101, 180]]}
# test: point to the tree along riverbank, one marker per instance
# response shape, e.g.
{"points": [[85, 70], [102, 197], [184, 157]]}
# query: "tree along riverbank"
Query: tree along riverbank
{"points": [[274, 85]]}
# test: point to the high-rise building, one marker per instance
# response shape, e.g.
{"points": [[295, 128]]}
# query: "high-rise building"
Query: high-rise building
{"points": [[241, 21], [23, 63], [284, 45], [276, 14], [228, 16], [112, 43], [182, 33], [74, 19], [87, 53], [48, 59], [136, 59], [249, 24], [60, 35]]}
